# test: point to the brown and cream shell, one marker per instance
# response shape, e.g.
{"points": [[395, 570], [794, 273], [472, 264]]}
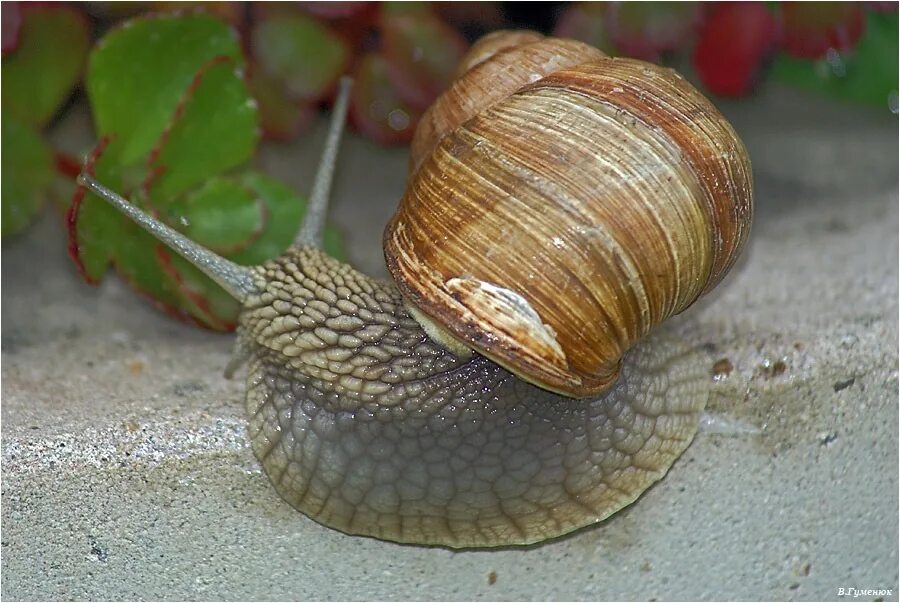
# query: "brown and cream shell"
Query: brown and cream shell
{"points": [[561, 203]]}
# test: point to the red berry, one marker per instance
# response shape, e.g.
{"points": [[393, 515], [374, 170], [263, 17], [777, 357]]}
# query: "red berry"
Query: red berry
{"points": [[733, 46]]}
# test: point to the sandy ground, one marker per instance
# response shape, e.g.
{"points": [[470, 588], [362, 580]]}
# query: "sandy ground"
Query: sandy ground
{"points": [[127, 475]]}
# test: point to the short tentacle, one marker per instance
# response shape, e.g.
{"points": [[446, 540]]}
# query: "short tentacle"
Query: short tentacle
{"points": [[314, 223]]}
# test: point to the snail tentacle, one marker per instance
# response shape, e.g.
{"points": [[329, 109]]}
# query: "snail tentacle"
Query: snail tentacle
{"points": [[313, 226], [240, 281], [237, 280]]}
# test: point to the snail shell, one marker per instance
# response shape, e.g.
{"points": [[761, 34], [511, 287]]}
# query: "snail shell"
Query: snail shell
{"points": [[561, 204]]}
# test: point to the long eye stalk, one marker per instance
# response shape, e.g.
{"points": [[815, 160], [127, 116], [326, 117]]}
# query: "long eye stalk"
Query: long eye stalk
{"points": [[314, 223], [235, 279]]}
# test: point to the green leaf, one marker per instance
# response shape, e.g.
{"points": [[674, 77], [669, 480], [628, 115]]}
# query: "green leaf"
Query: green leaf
{"points": [[198, 295], [284, 210], [223, 215], [139, 73], [100, 232], [41, 72], [214, 130], [102, 236], [179, 167], [27, 175], [295, 48], [137, 258], [250, 218], [868, 74]]}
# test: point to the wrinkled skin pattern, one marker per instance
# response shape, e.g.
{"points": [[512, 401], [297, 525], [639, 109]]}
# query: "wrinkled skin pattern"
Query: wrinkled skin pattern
{"points": [[365, 425]]}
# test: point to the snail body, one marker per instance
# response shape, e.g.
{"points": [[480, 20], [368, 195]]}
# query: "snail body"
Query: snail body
{"points": [[365, 424], [372, 414]]}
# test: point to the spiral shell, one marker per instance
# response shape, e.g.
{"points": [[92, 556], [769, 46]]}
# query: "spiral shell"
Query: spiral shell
{"points": [[561, 203]]}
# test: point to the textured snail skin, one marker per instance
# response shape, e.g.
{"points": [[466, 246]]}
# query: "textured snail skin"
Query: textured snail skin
{"points": [[365, 425]]}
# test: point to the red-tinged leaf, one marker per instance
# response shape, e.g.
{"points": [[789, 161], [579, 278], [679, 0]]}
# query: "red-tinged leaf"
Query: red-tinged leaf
{"points": [[215, 112], [281, 210], [210, 127], [422, 53], [734, 44], [168, 49], [131, 251], [335, 10], [92, 252], [139, 71], [210, 306], [271, 209], [173, 311], [66, 165], [276, 211], [91, 258], [811, 28], [295, 48], [281, 118], [47, 63], [100, 237], [135, 261], [355, 29], [11, 25], [376, 108], [645, 29]]}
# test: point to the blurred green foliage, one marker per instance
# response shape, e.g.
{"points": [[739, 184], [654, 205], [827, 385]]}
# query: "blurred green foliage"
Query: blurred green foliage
{"points": [[39, 74], [866, 74]]}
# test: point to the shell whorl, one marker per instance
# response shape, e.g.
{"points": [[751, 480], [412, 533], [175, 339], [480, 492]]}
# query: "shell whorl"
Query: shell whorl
{"points": [[583, 200]]}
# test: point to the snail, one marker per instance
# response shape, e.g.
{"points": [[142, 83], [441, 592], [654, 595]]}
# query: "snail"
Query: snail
{"points": [[509, 385]]}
